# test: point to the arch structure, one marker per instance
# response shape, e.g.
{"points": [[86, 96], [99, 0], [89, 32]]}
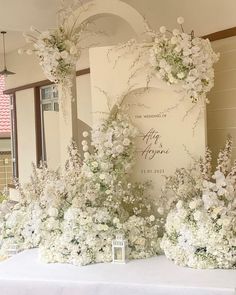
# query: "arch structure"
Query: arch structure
{"points": [[98, 8]]}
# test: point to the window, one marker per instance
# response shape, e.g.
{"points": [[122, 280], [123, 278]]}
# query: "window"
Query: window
{"points": [[48, 102]]}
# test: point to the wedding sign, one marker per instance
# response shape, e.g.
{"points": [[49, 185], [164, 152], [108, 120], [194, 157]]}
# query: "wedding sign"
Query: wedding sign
{"points": [[168, 136]]}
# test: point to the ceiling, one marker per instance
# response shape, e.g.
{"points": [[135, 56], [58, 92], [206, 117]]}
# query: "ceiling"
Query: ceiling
{"points": [[204, 16]]}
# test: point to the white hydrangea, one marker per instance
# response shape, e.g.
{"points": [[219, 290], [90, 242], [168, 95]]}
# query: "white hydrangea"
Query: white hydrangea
{"points": [[200, 229], [181, 57]]}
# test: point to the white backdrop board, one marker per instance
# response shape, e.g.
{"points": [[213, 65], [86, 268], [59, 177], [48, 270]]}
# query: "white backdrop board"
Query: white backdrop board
{"points": [[167, 137]]}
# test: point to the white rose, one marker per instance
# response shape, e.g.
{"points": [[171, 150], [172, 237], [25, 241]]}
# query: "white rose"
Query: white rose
{"points": [[162, 29], [193, 205], [73, 50], [197, 215], [85, 148], [126, 142], [94, 164], [152, 218], [179, 205], [180, 75], [119, 149], [85, 134], [180, 20], [64, 54], [102, 176], [53, 212]]}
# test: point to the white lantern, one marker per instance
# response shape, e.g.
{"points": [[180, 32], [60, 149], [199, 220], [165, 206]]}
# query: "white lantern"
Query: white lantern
{"points": [[119, 246]]}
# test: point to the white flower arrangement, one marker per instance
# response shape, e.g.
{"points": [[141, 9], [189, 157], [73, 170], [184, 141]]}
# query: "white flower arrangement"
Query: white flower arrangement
{"points": [[181, 57], [58, 50], [175, 57], [201, 228], [74, 215], [106, 202], [42, 203]]}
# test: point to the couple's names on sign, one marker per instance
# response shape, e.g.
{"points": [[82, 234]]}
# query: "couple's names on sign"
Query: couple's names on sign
{"points": [[150, 145], [153, 146]]}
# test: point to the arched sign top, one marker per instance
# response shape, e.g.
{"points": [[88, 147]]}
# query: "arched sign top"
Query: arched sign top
{"points": [[116, 8]]}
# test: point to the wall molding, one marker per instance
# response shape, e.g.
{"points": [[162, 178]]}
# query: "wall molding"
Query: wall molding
{"points": [[41, 83], [231, 32]]}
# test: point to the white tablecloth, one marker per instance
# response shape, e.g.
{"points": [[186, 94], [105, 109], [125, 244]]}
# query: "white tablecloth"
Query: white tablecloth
{"points": [[23, 274]]}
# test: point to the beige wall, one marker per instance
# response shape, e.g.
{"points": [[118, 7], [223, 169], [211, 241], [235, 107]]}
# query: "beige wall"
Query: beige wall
{"points": [[221, 112], [25, 132]]}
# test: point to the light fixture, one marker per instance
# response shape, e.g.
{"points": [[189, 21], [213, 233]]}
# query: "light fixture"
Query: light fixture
{"points": [[5, 72]]}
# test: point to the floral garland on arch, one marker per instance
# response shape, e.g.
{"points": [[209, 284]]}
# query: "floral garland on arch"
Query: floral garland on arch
{"points": [[58, 50], [176, 57], [181, 57], [73, 215], [201, 227]]}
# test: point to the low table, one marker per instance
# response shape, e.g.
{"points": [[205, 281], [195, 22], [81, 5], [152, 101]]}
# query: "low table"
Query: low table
{"points": [[24, 274]]}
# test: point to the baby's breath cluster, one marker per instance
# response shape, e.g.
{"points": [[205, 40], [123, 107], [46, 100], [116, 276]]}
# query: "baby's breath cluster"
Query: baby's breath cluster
{"points": [[181, 57], [201, 227], [72, 215]]}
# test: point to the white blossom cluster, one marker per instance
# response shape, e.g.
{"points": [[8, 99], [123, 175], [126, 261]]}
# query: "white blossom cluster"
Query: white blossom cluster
{"points": [[58, 50], [201, 228], [37, 216], [74, 214], [106, 203], [181, 57]]}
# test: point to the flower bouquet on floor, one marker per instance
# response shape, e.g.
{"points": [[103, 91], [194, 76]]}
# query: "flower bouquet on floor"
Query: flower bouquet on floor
{"points": [[73, 214], [107, 203], [201, 226]]}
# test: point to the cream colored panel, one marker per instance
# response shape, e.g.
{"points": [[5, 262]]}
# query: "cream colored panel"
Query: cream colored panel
{"points": [[25, 133], [165, 136]]}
